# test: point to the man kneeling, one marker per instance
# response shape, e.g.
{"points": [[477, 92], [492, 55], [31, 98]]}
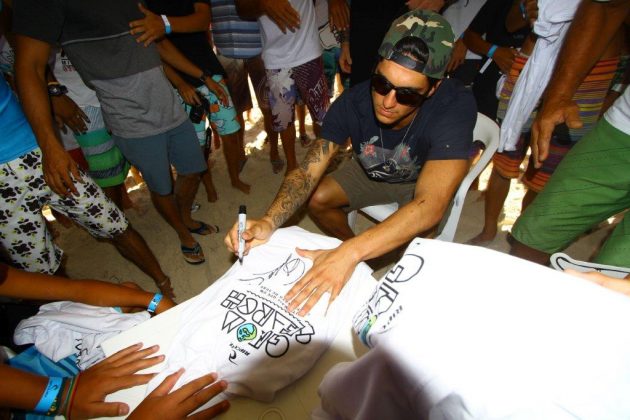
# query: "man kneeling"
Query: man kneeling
{"points": [[411, 134]]}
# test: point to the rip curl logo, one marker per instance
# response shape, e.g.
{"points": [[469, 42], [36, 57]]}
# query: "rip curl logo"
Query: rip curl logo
{"points": [[380, 308], [246, 332], [262, 323]]}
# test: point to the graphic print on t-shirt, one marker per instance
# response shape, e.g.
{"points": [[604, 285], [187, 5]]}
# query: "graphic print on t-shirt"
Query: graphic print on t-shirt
{"points": [[391, 165], [257, 319], [240, 326]]}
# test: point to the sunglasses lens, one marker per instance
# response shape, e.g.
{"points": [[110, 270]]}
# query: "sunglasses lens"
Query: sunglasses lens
{"points": [[381, 85], [409, 97], [404, 96]]}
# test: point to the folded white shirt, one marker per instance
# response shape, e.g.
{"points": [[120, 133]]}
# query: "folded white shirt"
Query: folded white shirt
{"points": [[61, 329]]}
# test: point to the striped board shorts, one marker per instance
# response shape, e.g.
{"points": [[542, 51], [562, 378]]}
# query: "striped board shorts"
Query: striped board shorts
{"points": [[106, 164], [589, 97]]}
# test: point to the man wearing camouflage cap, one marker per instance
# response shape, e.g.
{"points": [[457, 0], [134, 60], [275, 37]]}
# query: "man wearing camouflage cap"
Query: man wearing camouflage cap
{"points": [[411, 133]]}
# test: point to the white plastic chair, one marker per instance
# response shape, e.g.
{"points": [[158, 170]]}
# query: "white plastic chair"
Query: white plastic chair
{"points": [[487, 132]]}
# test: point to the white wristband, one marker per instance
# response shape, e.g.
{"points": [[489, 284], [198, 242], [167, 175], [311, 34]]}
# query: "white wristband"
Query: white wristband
{"points": [[167, 24]]}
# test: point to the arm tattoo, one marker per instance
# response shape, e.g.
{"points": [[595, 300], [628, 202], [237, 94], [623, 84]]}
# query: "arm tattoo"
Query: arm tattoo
{"points": [[299, 184]]}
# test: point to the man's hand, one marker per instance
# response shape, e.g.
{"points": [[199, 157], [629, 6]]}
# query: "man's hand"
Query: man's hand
{"points": [[331, 270], [338, 14], [458, 56], [68, 113], [218, 90], [257, 232], [59, 170], [188, 94], [617, 285], [504, 57], [151, 27], [159, 404], [554, 111], [282, 13], [345, 61], [108, 376]]}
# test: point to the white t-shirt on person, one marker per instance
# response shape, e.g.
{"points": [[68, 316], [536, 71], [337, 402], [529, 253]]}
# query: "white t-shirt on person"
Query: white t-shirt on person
{"points": [[618, 115], [291, 49], [239, 327]]}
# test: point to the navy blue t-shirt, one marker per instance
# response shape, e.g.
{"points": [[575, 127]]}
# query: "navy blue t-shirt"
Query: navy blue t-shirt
{"points": [[442, 130]]}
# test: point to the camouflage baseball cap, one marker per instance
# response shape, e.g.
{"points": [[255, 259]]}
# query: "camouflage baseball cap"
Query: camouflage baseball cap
{"points": [[431, 28]]}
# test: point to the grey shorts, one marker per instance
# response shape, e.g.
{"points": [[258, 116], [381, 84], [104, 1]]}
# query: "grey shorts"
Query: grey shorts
{"points": [[154, 155], [363, 192]]}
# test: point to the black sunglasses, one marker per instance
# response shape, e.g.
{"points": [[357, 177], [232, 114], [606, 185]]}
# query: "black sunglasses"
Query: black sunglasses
{"points": [[404, 96]]}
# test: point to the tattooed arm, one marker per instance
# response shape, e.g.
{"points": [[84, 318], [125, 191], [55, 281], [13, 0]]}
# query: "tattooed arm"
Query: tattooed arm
{"points": [[296, 188]]}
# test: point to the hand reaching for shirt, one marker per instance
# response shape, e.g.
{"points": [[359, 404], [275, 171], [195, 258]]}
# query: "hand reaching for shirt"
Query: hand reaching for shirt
{"points": [[119, 371], [331, 270], [163, 404], [188, 94], [151, 27], [339, 14]]}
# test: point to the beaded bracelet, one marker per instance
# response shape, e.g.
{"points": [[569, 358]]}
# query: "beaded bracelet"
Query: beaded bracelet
{"points": [[69, 392], [157, 298], [68, 410], [50, 395]]}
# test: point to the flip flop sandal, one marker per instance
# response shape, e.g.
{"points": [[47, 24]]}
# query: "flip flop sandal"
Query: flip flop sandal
{"points": [[191, 252], [277, 165], [204, 229]]}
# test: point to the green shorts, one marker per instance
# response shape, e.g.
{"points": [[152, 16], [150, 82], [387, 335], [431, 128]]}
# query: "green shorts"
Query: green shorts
{"points": [[591, 184], [107, 165]]}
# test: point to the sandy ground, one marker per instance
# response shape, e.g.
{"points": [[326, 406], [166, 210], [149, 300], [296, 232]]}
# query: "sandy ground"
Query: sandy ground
{"points": [[89, 258]]}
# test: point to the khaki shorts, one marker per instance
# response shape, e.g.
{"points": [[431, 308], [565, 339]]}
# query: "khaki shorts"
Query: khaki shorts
{"points": [[363, 192]]}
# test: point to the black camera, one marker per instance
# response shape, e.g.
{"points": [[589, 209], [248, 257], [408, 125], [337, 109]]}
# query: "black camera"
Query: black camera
{"points": [[197, 112]]}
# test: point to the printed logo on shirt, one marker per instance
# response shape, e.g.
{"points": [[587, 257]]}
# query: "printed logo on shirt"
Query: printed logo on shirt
{"points": [[381, 309]]}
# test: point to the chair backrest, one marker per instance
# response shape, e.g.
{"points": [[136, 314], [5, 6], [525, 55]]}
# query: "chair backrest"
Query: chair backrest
{"points": [[486, 132]]}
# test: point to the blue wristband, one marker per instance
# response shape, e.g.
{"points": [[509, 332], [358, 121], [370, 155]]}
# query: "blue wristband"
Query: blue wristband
{"points": [[491, 51], [167, 24], [51, 392], [157, 298]]}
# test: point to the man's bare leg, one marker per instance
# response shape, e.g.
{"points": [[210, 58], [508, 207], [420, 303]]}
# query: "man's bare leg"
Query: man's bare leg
{"points": [[231, 146], [133, 247], [325, 209], [523, 251], [288, 144], [496, 193], [168, 208]]}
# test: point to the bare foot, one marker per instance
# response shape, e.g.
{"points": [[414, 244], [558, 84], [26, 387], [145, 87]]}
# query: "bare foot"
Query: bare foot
{"points": [[483, 239], [212, 195], [240, 185]]}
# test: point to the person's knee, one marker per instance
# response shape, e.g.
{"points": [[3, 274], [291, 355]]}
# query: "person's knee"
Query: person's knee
{"points": [[325, 197]]}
